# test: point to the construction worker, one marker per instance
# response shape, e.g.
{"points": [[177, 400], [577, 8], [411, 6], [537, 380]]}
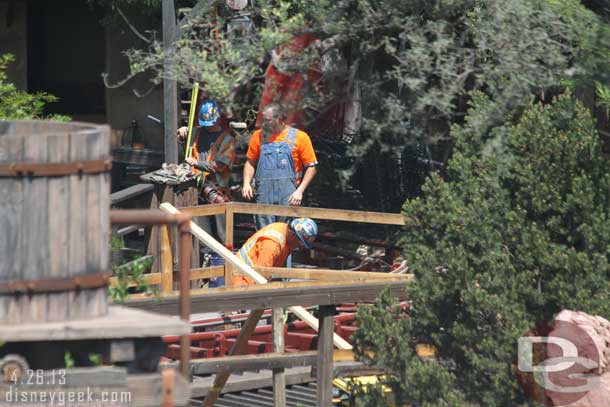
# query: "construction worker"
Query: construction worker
{"points": [[213, 154], [277, 156], [271, 246]]}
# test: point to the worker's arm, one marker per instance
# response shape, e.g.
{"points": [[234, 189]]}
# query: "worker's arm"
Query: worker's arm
{"points": [[297, 196], [246, 189], [268, 252]]}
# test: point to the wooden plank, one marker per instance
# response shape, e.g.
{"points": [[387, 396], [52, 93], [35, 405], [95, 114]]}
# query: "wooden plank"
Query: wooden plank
{"points": [[152, 237], [95, 301], [120, 322], [205, 210], [328, 274], [319, 213], [170, 87], [234, 260], [229, 241], [249, 381], [253, 297], [36, 236], [236, 349], [167, 274], [242, 363], [196, 274], [130, 192], [58, 151], [324, 376], [77, 251], [279, 377], [11, 249]]}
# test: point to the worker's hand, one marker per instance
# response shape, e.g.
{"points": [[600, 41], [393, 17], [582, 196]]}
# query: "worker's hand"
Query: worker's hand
{"points": [[296, 198], [191, 161], [246, 191], [183, 132]]}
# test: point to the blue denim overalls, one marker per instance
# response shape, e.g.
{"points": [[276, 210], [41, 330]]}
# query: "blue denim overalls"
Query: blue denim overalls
{"points": [[275, 176]]}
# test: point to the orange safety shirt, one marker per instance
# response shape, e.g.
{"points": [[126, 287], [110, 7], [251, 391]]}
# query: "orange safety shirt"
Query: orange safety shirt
{"points": [[303, 153], [266, 248]]}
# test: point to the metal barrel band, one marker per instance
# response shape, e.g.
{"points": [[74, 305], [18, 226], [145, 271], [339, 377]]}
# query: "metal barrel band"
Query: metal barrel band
{"points": [[25, 169], [50, 285]]}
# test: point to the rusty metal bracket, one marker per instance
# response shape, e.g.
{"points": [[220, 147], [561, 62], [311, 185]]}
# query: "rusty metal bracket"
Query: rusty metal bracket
{"points": [[55, 169], [50, 285]]}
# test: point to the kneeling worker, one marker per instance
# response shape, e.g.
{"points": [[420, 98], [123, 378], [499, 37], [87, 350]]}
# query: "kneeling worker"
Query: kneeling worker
{"points": [[271, 245]]}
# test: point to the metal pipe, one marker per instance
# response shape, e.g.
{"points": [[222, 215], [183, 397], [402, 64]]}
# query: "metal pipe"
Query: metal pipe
{"points": [[186, 241], [146, 216]]}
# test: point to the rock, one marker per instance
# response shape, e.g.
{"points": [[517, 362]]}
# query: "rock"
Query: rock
{"points": [[592, 342]]}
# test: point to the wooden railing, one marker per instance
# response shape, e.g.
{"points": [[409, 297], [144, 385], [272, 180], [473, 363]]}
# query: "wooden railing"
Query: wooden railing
{"points": [[324, 288], [165, 278]]}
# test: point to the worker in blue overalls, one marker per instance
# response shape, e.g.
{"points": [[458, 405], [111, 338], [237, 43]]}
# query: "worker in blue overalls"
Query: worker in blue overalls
{"points": [[282, 161]]}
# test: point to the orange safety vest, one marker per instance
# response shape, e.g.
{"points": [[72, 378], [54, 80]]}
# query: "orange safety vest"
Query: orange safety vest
{"points": [[223, 151], [249, 252]]}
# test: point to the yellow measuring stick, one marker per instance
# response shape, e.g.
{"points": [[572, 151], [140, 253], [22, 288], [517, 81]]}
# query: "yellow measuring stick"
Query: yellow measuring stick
{"points": [[189, 148]]}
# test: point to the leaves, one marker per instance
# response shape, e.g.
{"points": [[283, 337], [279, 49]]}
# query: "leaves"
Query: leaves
{"points": [[515, 235]]}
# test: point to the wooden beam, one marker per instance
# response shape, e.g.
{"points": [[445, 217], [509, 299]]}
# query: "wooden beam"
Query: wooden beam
{"points": [[170, 87], [324, 374], [206, 272], [130, 192], [229, 243], [253, 297], [249, 271], [262, 361], [167, 262], [279, 377], [319, 213], [204, 210], [328, 274]]}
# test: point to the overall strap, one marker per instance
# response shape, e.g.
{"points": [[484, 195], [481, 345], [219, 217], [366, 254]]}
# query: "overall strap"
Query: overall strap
{"points": [[291, 138]]}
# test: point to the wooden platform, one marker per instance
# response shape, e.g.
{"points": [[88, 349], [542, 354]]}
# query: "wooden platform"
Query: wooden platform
{"points": [[121, 322]]}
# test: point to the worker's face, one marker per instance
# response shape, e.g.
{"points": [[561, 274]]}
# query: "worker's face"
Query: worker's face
{"points": [[271, 124]]}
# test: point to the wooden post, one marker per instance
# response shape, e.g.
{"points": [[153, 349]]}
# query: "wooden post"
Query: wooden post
{"points": [[170, 88], [167, 274], [228, 243], [324, 377], [279, 377]]}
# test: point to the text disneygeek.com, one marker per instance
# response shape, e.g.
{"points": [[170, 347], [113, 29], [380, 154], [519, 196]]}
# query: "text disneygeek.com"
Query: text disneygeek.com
{"points": [[87, 397]]}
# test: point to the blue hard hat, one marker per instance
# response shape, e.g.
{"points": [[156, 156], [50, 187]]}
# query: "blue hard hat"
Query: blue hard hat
{"points": [[209, 112], [306, 230]]}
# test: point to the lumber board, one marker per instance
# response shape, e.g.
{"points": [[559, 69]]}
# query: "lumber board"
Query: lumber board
{"points": [[130, 192], [249, 381], [208, 240], [324, 376], [215, 300], [344, 215], [120, 322], [263, 361], [167, 263], [319, 213], [205, 210], [329, 274], [279, 377]]}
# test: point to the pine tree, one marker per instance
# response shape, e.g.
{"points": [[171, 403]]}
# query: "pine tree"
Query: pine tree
{"points": [[518, 232]]}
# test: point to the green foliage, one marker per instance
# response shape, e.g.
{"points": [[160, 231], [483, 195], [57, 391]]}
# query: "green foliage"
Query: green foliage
{"points": [[518, 232], [18, 105], [417, 60], [68, 360], [130, 275]]}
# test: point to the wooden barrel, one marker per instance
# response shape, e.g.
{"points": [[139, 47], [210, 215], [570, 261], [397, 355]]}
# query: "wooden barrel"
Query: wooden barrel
{"points": [[54, 221]]}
